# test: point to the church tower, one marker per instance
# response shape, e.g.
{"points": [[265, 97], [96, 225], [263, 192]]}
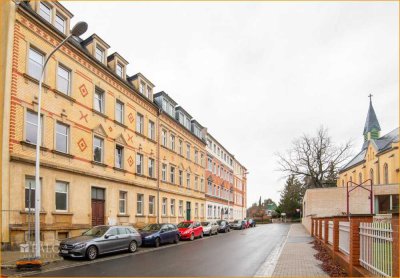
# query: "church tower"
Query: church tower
{"points": [[371, 128]]}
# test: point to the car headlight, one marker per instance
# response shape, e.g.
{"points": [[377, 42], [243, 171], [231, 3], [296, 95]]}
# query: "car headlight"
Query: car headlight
{"points": [[79, 245]]}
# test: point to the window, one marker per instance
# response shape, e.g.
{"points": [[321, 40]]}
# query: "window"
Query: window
{"points": [[151, 130], [60, 23], [180, 208], [180, 147], [172, 139], [62, 134], [61, 196], [99, 100], [386, 173], [210, 167], [151, 168], [196, 156], [164, 172], [139, 164], [99, 54], [210, 188], [196, 210], [31, 127], [164, 206], [139, 208], [201, 159], [119, 70], [164, 137], [148, 94], [196, 183], [63, 80], [180, 177], [35, 64], [119, 112], [142, 87], [119, 156], [188, 180], [45, 11], [151, 205], [202, 185], [202, 210], [172, 206], [122, 202], [98, 149], [30, 182], [188, 151], [172, 174], [139, 123]]}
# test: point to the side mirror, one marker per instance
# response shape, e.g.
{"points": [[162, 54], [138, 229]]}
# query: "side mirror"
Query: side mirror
{"points": [[107, 236], [162, 231]]}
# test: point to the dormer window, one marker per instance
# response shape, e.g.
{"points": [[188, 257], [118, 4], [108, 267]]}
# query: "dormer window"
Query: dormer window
{"points": [[99, 54], [142, 88], [148, 92], [45, 11], [60, 23], [119, 70]]}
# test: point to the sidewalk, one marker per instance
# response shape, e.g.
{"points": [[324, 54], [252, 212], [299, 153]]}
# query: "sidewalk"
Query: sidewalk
{"points": [[297, 256], [9, 258]]}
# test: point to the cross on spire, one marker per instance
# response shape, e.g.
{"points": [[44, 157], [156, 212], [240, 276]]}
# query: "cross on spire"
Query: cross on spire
{"points": [[370, 97]]}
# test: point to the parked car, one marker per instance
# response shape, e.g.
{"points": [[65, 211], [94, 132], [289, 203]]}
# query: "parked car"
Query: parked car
{"points": [[223, 226], [157, 234], [210, 228], [190, 230], [101, 240], [252, 223], [247, 223], [238, 224]]}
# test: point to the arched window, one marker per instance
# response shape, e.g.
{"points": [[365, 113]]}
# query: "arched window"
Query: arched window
{"points": [[386, 173], [360, 178], [371, 175]]}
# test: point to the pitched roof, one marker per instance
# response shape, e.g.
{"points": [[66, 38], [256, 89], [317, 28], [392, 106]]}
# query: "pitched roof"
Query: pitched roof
{"points": [[371, 123]]}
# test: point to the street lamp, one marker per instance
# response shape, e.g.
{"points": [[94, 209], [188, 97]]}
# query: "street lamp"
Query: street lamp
{"points": [[77, 30]]}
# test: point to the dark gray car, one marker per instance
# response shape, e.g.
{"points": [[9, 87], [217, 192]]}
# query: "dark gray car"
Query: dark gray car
{"points": [[101, 240]]}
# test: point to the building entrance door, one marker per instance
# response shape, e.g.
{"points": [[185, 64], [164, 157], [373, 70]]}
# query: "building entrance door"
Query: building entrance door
{"points": [[98, 205], [187, 210]]}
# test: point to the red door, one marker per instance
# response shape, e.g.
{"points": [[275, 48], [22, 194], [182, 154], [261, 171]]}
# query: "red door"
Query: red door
{"points": [[97, 206]]}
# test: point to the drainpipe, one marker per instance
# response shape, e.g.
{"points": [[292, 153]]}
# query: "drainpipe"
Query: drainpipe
{"points": [[158, 165]]}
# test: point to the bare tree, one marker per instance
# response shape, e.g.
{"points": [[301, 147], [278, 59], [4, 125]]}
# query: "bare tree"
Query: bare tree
{"points": [[315, 160]]}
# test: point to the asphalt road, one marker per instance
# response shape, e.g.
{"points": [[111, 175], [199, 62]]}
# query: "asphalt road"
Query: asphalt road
{"points": [[238, 253]]}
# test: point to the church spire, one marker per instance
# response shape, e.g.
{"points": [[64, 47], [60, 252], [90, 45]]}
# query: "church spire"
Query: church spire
{"points": [[371, 127]]}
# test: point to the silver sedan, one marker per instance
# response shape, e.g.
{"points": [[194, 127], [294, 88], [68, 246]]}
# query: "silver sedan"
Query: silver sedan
{"points": [[101, 240], [210, 228]]}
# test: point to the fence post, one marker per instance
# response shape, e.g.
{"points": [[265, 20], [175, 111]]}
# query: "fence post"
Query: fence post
{"points": [[326, 230], [320, 228], [312, 227], [395, 246], [354, 256]]}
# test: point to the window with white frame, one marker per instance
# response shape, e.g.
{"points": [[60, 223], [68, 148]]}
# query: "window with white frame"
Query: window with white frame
{"points": [[142, 87], [139, 123], [119, 156], [209, 188], [164, 206], [188, 180], [99, 100], [99, 54], [196, 183], [148, 93], [139, 204], [202, 159], [151, 134], [180, 208], [172, 207], [180, 147], [122, 202], [164, 137], [62, 137], [119, 70], [151, 168], [63, 80], [61, 196], [60, 23], [187, 151], [202, 210], [151, 204], [98, 149], [30, 187], [196, 156], [45, 11], [164, 172], [119, 111], [172, 174], [35, 64], [209, 165], [180, 178], [139, 164], [172, 141], [202, 185]]}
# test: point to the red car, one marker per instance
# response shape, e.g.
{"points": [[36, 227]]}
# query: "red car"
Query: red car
{"points": [[247, 224], [190, 230]]}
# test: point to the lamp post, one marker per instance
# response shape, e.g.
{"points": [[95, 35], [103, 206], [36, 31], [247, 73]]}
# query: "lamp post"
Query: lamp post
{"points": [[77, 30]]}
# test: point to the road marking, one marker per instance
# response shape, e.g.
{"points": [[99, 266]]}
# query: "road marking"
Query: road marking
{"points": [[30, 273], [268, 267]]}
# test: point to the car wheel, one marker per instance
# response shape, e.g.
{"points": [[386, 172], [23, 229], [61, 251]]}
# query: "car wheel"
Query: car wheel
{"points": [[91, 252], [132, 247], [176, 240], [157, 242], [192, 237]]}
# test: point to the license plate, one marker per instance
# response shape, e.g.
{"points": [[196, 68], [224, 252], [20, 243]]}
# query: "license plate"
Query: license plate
{"points": [[64, 251]]}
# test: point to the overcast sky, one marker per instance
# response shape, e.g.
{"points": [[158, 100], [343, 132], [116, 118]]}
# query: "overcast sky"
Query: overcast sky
{"points": [[259, 74]]}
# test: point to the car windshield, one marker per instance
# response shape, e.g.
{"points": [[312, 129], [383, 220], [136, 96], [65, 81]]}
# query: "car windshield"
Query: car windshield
{"points": [[152, 227], [205, 224], [184, 225], [96, 231], [236, 221], [220, 222]]}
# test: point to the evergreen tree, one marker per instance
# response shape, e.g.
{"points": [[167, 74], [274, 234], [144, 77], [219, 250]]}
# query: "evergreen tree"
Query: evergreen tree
{"points": [[291, 196]]}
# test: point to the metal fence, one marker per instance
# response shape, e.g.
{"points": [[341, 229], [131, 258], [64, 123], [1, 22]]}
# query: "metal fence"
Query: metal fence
{"points": [[344, 237], [376, 247], [330, 232], [323, 229]]}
